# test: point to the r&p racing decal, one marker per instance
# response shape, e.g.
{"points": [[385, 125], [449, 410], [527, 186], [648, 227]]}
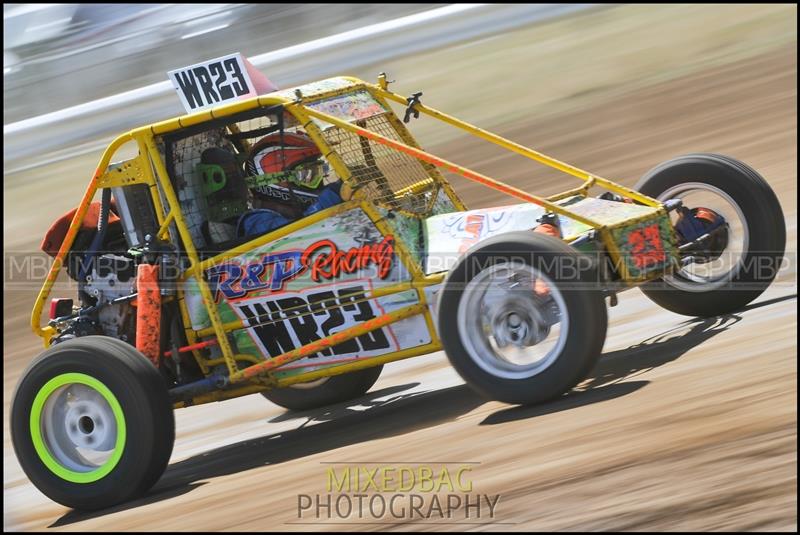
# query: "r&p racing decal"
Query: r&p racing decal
{"points": [[322, 259]]}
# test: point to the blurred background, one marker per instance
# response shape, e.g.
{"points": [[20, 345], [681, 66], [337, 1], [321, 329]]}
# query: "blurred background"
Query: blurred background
{"points": [[704, 438], [60, 55]]}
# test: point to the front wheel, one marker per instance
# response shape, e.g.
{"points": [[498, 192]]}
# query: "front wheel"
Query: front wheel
{"points": [[522, 317], [91, 423], [744, 256]]}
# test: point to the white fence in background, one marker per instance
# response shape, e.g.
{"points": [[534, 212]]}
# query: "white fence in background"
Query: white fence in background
{"points": [[87, 127]]}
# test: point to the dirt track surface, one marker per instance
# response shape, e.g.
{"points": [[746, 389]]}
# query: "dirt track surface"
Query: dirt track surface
{"points": [[684, 425]]}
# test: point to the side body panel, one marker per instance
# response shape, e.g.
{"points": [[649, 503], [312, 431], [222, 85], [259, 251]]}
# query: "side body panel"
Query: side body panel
{"points": [[309, 284]]}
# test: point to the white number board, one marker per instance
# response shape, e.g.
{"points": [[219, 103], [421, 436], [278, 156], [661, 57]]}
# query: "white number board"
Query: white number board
{"points": [[214, 82]]}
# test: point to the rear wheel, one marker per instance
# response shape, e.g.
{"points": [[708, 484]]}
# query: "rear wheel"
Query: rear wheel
{"points": [[91, 423], [324, 391], [748, 253], [522, 318]]}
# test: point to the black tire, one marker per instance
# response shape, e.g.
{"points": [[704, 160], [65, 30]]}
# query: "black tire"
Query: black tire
{"points": [[332, 390], [583, 300], [764, 219], [142, 397]]}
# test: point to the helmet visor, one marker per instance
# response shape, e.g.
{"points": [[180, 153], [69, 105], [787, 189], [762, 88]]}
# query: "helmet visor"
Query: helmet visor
{"points": [[309, 175]]}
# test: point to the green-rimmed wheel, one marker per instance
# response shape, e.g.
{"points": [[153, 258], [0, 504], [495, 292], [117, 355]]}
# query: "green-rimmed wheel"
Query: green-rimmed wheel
{"points": [[91, 423]]}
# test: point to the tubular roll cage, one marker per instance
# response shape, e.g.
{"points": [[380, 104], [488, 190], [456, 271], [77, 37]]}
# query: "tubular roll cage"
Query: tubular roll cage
{"points": [[148, 168]]}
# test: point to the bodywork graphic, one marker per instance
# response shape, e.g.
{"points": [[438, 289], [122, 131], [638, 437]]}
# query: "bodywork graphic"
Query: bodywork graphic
{"points": [[311, 284]]}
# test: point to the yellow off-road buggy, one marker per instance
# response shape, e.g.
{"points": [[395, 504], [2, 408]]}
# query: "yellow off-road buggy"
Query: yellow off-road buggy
{"points": [[177, 307]]}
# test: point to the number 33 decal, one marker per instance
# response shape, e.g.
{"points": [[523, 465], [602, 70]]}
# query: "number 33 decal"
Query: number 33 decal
{"points": [[646, 246]]}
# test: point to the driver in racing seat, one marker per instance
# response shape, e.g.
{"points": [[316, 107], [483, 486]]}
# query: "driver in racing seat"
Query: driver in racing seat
{"points": [[293, 181]]}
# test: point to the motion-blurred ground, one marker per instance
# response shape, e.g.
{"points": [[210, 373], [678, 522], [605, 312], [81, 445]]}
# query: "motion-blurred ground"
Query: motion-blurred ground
{"points": [[686, 425]]}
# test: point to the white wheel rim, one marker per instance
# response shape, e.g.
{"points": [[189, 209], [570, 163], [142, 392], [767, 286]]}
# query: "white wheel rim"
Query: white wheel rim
{"points": [[508, 329], [719, 272], [79, 427]]}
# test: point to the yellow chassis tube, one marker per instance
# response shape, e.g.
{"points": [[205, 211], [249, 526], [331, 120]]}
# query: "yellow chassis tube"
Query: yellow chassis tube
{"points": [[252, 388], [450, 166], [521, 150], [172, 216], [46, 332]]}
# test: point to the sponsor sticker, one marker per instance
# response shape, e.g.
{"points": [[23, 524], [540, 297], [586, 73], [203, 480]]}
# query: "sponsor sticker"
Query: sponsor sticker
{"points": [[646, 246], [290, 320], [323, 259]]}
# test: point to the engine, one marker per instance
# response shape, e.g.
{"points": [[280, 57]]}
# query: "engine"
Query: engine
{"points": [[102, 263], [113, 277]]}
